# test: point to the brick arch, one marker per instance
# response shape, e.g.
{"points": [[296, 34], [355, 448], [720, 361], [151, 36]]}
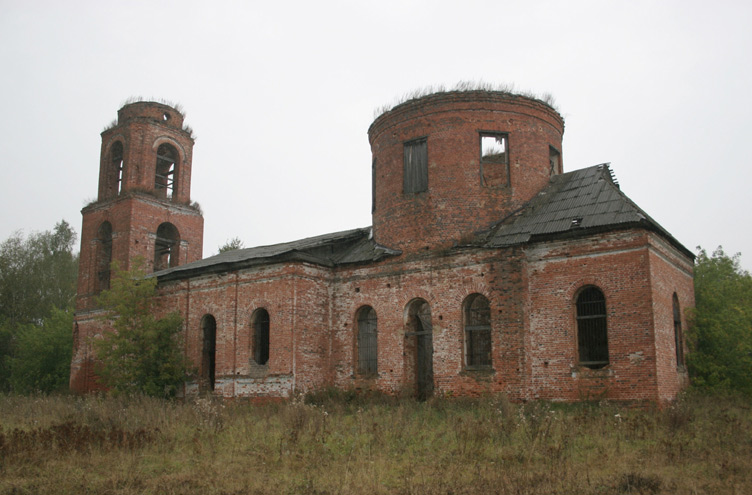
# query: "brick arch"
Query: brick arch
{"points": [[405, 301], [465, 289], [574, 288], [359, 303], [168, 140], [245, 312], [115, 137]]}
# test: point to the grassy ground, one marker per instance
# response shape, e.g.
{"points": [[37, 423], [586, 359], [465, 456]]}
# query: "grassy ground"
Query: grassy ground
{"points": [[336, 443]]}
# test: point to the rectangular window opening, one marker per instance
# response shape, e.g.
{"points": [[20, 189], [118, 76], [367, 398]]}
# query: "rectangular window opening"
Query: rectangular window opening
{"points": [[494, 159], [416, 166], [554, 159]]}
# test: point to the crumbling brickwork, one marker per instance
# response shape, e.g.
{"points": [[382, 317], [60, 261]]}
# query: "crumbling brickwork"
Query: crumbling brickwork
{"points": [[452, 223]]}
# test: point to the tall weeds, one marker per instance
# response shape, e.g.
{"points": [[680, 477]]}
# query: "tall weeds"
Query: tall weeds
{"points": [[341, 442]]}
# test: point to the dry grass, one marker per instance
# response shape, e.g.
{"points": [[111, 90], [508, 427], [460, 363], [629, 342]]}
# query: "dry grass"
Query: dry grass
{"points": [[465, 86], [335, 443]]}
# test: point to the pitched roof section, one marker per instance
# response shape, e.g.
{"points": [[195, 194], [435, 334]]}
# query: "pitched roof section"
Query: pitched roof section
{"points": [[350, 246], [574, 203]]}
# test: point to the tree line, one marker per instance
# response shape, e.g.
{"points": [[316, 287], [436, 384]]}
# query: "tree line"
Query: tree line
{"points": [[143, 354], [37, 295]]}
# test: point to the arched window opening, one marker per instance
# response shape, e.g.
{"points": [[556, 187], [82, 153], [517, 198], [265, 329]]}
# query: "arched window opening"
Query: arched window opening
{"points": [[116, 168], [367, 341], [208, 353], [477, 331], [419, 347], [104, 256], [166, 247], [592, 335], [260, 342], [166, 172], [678, 336]]}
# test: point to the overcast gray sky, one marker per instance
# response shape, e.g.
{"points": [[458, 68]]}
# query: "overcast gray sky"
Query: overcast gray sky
{"points": [[281, 94]]}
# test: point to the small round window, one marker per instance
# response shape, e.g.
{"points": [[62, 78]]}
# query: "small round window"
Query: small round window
{"points": [[165, 116]]}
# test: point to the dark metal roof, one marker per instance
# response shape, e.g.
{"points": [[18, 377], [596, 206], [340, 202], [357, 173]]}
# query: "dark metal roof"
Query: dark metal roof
{"points": [[339, 248], [575, 203]]}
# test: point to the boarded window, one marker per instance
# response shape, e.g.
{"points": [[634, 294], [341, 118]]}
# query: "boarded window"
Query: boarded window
{"points": [[416, 166], [592, 335], [260, 343], [554, 160], [367, 341], [477, 332], [166, 171], [104, 256], [494, 160], [678, 337], [166, 247]]}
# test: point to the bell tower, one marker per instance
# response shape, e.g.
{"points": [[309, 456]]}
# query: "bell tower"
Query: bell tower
{"points": [[143, 208]]}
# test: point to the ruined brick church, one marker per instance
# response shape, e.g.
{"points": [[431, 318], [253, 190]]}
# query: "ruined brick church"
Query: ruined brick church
{"points": [[487, 268]]}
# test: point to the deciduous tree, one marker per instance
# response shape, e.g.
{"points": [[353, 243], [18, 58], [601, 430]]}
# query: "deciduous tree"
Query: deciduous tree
{"points": [[140, 353], [42, 358], [721, 330], [37, 278], [231, 245]]}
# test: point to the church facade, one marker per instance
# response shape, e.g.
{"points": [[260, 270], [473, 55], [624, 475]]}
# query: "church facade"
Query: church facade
{"points": [[487, 268]]}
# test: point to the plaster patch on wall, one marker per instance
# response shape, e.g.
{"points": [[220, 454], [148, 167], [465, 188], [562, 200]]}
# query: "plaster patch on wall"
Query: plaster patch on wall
{"points": [[636, 357]]}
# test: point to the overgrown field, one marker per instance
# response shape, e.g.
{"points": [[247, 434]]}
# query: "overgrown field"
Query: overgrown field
{"points": [[338, 443]]}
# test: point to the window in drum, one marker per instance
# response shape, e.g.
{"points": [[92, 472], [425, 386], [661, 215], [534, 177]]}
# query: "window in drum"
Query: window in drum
{"points": [[494, 159], [415, 166], [554, 160]]}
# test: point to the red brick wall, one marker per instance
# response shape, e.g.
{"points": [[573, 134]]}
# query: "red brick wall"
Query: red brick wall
{"points": [[532, 293], [444, 282], [456, 204], [296, 298], [134, 220], [618, 264], [670, 274]]}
